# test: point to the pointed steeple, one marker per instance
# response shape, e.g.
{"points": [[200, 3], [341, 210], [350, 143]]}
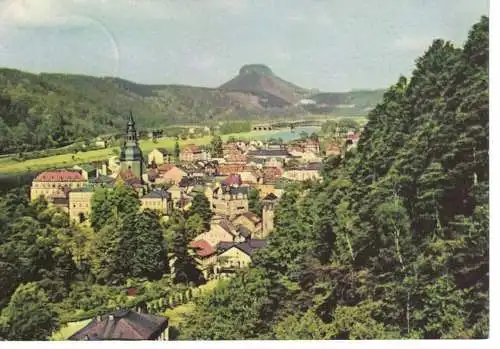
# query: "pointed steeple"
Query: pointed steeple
{"points": [[131, 132]]}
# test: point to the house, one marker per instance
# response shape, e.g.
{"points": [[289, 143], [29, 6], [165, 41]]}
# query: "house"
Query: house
{"points": [[230, 200], [100, 143], [205, 255], [169, 174], [227, 169], [193, 153], [333, 149], [122, 325], [271, 175], [279, 155], [248, 223], [158, 200], [221, 229], [87, 170], [51, 182], [249, 177], [158, 156], [311, 145], [232, 256], [114, 165], [352, 140], [303, 172], [233, 179]]}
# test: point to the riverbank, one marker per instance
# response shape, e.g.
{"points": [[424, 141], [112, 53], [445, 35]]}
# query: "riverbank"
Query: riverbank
{"points": [[9, 166]]}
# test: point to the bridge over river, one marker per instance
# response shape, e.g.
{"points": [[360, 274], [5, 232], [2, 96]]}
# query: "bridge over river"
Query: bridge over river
{"points": [[286, 124]]}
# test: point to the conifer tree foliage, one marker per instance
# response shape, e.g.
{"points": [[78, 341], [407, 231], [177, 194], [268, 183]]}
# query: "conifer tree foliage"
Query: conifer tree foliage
{"points": [[394, 242], [201, 206], [184, 267]]}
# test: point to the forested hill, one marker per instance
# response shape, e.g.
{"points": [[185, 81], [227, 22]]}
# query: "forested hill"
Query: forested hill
{"points": [[39, 111], [394, 243]]}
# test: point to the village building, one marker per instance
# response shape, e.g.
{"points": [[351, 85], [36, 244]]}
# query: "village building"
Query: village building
{"points": [[229, 200], [52, 182], [232, 256], [87, 170], [168, 173], [248, 223], [333, 150], [221, 229], [303, 172], [272, 157], [158, 200], [122, 325], [193, 153], [158, 156]]}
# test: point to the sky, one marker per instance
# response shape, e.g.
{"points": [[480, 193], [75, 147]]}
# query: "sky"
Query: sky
{"points": [[331, 45]]}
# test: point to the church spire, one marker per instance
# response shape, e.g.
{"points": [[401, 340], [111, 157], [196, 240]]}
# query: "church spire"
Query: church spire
{"points": [[131, 132]]}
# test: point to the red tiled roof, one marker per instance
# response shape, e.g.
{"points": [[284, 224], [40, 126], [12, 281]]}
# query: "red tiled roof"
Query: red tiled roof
{"points": [[191, 148], [353, 137], [202, 248], [227, 169], [60, 176], [165, 167], [233, 179]]}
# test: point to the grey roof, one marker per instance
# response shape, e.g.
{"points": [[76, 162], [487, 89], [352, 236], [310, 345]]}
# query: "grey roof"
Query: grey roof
{"points": [[269, 152], [123, 325], [164, 151], [157, 194], [248, 246], [313, 166], [232, 190], [270, 197], [244, 231]]}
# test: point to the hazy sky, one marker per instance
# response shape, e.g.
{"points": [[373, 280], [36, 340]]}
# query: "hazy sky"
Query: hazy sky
{"points": [[327, 44]]}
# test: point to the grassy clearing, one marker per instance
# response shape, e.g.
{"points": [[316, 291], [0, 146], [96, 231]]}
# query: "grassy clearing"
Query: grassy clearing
{"points": [[69, 329], [177, 314]]}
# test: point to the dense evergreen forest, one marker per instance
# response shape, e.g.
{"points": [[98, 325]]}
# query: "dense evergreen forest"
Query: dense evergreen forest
{"points": [[53, 271], [394, 242]]}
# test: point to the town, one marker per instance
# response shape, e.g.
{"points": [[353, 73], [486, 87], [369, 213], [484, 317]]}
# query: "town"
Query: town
{"points": [[165, 182]]}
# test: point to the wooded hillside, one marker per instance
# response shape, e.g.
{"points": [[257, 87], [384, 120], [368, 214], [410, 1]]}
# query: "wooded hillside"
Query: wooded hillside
{"points": [[394, 243]]}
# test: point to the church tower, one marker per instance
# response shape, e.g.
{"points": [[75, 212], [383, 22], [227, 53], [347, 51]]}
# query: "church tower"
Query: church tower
{"points": [[131, 154]]}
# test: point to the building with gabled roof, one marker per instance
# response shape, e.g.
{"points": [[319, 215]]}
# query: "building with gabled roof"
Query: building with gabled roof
{"points": [[232, 256], [158, 156], [48, 183], [158, 200]]}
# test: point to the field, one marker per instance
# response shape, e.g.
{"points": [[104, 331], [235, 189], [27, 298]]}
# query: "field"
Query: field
{"points": [[176, 314]]}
